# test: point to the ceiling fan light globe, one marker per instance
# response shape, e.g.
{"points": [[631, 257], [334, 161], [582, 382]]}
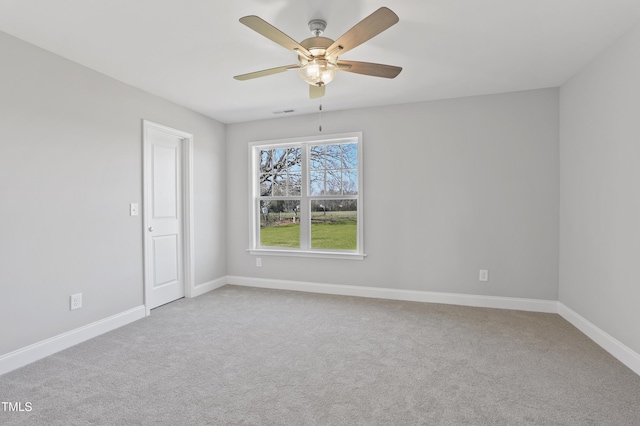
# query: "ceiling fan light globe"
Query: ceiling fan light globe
{"points": [[318, 72]]}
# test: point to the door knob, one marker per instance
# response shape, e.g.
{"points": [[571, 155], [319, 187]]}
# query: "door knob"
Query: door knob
{"points": [[150, 229]]}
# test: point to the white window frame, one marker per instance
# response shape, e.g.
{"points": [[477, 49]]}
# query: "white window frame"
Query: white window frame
{"points": [[305, 249]]}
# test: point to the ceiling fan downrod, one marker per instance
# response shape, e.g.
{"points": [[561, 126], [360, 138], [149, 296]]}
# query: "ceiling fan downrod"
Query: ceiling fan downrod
{"points": [[317, 27]]}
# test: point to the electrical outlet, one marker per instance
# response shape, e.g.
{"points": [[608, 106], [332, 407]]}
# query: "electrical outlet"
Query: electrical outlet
{"points": [[75, 301], [484, 275], [258, 261]]}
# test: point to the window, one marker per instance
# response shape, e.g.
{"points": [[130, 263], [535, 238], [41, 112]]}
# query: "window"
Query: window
{"points": [[306, 196]]}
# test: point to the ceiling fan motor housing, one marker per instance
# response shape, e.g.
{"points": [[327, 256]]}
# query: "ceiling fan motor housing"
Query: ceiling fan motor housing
{"points": [[316, 45]]}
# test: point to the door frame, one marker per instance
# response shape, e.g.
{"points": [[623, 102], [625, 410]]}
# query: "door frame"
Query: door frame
{"points": [[188, 258]]}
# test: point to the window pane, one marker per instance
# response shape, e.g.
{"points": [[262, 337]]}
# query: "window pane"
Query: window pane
{"points": [[265, 185], [333, 157], [317, 157], [279, 185], [294, 183], [350, 156], [265, 161], [316, 183], [280, 223], [350, 182], [279, 158], [334, 182], [334, 224], [294, 160]]}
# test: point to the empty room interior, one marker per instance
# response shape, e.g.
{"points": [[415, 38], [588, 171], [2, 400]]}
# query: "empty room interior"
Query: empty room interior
{"points": [[439, 227]]}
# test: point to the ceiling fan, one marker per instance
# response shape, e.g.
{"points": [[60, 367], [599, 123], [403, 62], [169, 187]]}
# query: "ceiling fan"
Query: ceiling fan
{"points": [[318, 60]]}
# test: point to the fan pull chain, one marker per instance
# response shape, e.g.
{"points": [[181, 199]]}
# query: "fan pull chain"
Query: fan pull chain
{"points": [[320, 118]]}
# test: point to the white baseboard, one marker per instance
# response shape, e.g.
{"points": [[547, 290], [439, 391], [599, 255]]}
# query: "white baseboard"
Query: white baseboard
{"points": [[39, 350], [32, 353], [620, 351], [534, 305], [624, 354], [203, 288]]}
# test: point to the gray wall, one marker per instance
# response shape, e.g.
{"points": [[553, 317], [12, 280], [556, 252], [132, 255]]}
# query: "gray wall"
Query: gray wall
{"points": [[450, 187], [70, 164], [600, 195]]}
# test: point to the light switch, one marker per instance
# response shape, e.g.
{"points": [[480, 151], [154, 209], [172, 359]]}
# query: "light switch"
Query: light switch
{"points": [[133, 209]]}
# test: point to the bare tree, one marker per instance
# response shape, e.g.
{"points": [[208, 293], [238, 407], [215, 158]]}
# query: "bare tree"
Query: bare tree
{"points": [[333, 170]]}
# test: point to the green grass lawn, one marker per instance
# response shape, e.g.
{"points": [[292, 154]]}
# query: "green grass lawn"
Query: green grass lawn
{"points": [[340, 235], [280, 235]]}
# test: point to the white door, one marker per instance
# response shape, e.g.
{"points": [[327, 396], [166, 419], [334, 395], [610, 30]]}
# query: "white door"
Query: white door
{"points": [[164, 241]]}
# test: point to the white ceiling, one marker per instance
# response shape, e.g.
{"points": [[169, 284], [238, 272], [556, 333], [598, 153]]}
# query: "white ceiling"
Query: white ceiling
{"points": [[187, 51]]}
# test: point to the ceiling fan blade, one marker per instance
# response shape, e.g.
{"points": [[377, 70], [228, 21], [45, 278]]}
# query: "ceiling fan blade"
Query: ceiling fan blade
{"points": [[316, 92], [364, 30], [265, 73], [369, 68], [261, 26]]}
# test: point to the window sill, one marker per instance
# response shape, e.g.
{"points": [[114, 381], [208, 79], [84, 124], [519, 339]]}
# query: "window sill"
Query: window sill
{"points": [[308, 253]]}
